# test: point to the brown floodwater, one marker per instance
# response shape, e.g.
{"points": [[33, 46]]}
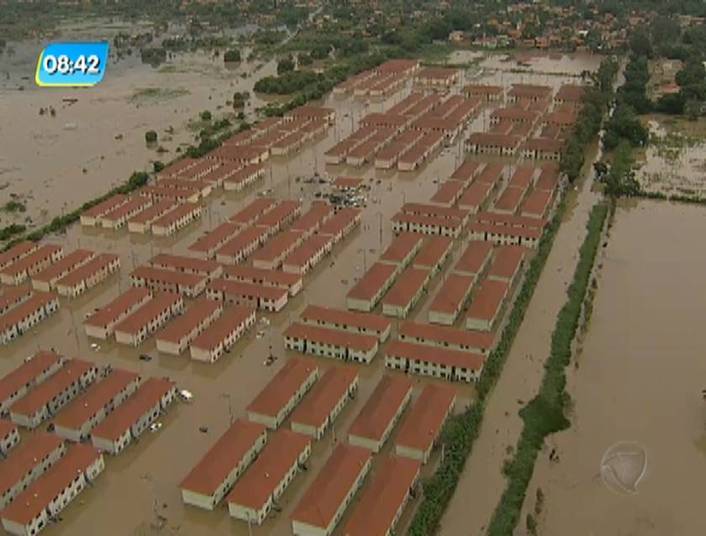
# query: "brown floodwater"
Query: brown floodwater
{"points": [[638, 380], [141, 483], [98, 140]]}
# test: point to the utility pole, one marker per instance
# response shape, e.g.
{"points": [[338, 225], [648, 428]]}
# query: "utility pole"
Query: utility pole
{"points": [[380, 225], [230, 406]]}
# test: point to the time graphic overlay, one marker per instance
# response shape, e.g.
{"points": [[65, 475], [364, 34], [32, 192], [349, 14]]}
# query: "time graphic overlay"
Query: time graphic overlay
{"points": [[72, 64]]}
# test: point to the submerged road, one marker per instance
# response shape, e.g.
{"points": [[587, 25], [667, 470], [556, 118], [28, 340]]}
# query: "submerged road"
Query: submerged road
{"points": [[482, 481]]}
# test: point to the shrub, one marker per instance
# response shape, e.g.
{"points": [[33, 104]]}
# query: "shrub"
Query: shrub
{"points": [[231, 56]]}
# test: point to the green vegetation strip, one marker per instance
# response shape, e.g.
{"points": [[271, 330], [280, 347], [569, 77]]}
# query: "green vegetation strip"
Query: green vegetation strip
{"points": [[674, 198], [546, 413], [462, 430]]}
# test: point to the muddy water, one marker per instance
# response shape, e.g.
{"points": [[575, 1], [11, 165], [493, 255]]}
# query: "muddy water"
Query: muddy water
{"points": [[98, 141], [141, 483], [639, 379]]}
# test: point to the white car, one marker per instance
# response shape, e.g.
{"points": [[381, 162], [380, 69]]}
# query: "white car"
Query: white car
{"points": [[155, 426]]}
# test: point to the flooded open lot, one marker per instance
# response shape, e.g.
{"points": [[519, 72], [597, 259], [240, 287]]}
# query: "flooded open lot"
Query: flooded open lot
{"points": [[636, 387], [95, 137], [675, 161]]}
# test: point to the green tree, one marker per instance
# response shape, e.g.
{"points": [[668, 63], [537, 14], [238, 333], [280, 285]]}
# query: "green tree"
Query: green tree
{"points": [[620, 180], [151, 136], [231, 56], [285, 65], [640, 43]]}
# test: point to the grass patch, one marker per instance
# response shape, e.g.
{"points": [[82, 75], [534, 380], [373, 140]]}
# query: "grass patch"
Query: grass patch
{"points": [[156, 94]]}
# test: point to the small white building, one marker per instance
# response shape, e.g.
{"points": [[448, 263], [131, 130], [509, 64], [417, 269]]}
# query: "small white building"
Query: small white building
{"points": [[255, 494], [327, 342], [284, 391], [222, 334], [134, 416], [27, 315], [50, 396], [41, 502], [214, 475], [326, 400]]}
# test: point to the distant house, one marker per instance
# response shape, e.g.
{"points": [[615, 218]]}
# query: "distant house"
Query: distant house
{"points": [[457, 36]]}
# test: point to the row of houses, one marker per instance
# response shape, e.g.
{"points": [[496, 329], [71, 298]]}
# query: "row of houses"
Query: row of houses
{"points": [[381, 501], [46, 399], [430, 219], [34, 261], [68, 275], [58, 484], [134, 315], [250, 468], [275, 136], [26, 314], [407, 135], [161, 210], [382, 81], [131, 418]]}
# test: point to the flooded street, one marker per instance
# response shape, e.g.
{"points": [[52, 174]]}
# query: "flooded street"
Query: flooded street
{"points": [[638, 380]]}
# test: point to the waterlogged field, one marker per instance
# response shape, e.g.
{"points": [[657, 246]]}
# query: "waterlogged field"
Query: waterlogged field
{"points": [[675, 161], [633, 460], [55, 142]]}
